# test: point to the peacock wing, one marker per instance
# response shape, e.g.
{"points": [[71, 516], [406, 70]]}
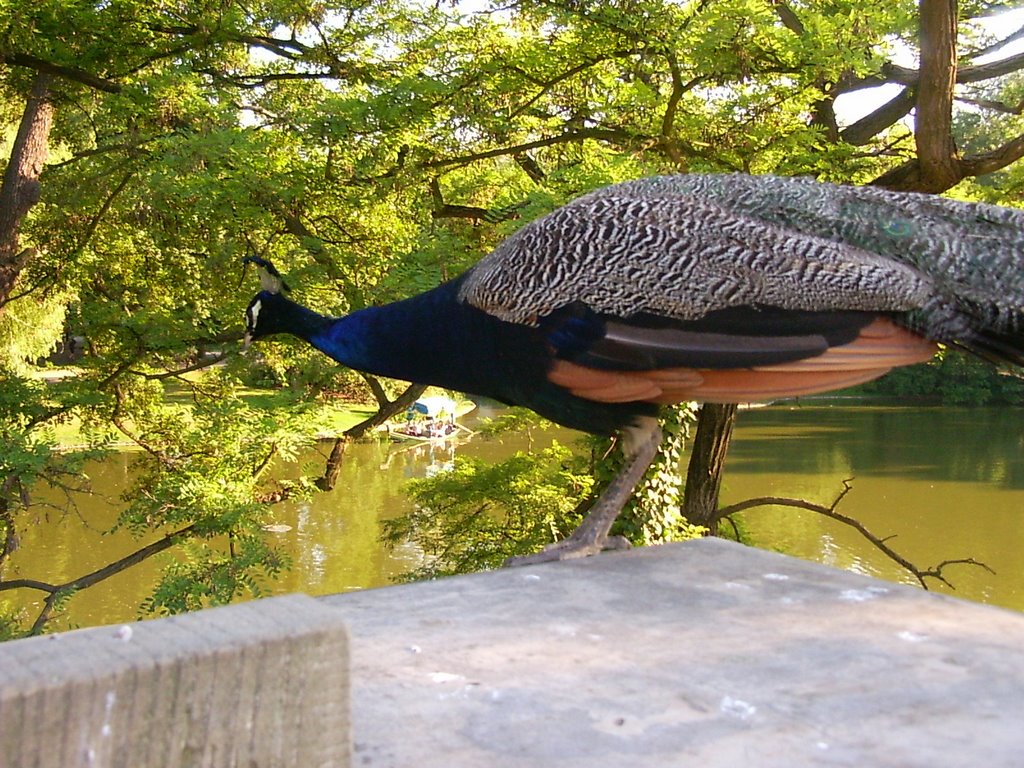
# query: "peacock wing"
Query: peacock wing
{"points": [[972, 253], [622, 253], [646, 294]]}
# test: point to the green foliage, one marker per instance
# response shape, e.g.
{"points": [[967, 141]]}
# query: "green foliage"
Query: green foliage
{"points": [[203, 465], [479, 514], [30, 414], [370, 150], [29, 331], [653, 514], [206, 576], [10, 626], [952, 378]]}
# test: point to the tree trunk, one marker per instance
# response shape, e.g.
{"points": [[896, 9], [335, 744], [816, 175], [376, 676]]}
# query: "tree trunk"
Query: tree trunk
{"points": [[938, 164], [20, 188], [385, 410], [707, 461], [332, 469]]}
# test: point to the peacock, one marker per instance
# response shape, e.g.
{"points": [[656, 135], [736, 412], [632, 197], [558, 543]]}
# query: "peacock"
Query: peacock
{"points": [[719, 288]]}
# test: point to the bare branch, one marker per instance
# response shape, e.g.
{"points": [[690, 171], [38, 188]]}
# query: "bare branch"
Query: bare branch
{"points": [[995, 106], [56, 591], [614, 136], [830, 511], [545, 85], [788, 18], [997, 45], [182, 371], [995, 159], [893, 73], [977, 72], [869, 126], [387, 409]]}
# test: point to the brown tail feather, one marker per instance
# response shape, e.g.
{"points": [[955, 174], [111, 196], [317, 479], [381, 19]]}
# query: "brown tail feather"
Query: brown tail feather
{"points": [[881, 346]]}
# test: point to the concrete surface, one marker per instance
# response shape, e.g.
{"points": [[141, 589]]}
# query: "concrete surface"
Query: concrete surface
{"points": [[705, 654], [256, 685]]}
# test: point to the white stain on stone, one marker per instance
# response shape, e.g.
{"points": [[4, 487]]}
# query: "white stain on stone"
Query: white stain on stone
{"points": [[862, 595], [737, 708], [911, 637], [445, 677]]}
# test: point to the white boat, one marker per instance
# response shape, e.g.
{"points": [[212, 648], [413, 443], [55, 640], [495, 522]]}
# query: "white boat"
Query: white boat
{"points": [[429, 418]]}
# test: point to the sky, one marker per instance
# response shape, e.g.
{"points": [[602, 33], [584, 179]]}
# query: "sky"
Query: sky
{"points": [[853, 106]]}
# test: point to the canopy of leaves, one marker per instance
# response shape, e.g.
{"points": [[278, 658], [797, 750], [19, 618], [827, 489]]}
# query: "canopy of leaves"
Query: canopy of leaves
{"points": [[372, 149]]}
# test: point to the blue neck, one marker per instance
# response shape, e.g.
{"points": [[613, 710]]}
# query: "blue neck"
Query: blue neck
{"points": [[431, 338]]}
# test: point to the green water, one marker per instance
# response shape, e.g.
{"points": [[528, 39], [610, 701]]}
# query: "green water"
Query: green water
{"points": [[946, 483]]}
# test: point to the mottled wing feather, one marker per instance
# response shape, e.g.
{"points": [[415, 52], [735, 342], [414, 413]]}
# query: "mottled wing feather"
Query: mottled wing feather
{"points": [[973, 253], [734, 288], [686, 245], [679, 257]]}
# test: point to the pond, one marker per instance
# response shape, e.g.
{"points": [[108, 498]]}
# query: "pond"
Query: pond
{"points": [[944, 483]]}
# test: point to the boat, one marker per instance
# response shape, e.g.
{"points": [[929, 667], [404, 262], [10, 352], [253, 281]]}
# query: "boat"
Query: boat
{"points": [[431, 418]]}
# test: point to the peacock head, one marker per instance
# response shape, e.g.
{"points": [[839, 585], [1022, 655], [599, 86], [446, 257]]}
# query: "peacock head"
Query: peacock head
{"points": [[268, 309], [261, 316]]}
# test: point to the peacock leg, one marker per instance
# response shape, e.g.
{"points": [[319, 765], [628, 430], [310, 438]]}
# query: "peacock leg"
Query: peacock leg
{"points": [[640, 444]]}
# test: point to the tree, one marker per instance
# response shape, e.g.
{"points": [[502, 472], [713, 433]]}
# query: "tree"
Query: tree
{"points": [[130, 229], [936, 167], [373, 150]]}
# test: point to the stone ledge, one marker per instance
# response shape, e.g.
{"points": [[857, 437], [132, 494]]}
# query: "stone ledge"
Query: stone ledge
{"points": [[704, 653], [255, 684]]}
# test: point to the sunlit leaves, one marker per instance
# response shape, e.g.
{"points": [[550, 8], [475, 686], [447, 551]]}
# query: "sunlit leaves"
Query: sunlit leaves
{"points": [[478, 514], [371, 149]]}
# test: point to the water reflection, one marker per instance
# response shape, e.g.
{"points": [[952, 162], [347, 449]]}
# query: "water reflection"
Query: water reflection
{"points": [[948, 482], [960, 444]]}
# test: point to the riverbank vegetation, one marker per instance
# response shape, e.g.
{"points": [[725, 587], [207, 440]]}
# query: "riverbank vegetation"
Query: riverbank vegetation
{"points": [[372, 150]]}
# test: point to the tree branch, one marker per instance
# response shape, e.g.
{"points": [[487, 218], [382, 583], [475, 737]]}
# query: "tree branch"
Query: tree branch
{"points": [[869, 126], [601, 134], [893, 73], [386, 409], [182, 371], [788, 17], [58, 70], [998, 44], [830, 511], [56, 591], [993, 160]]}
